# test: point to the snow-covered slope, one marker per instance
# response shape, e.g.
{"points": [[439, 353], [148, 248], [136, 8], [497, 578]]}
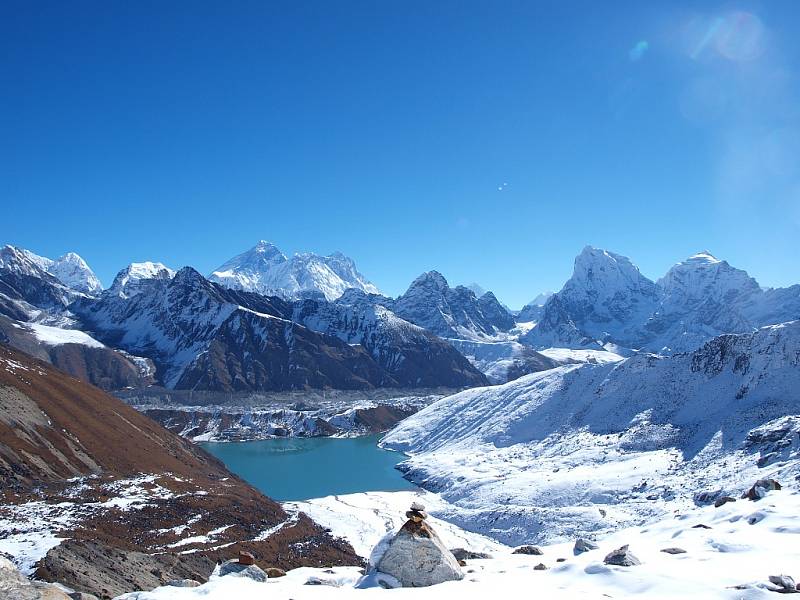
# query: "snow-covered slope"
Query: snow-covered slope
{"points": [[732, 557], [536, 458], [607, 300], [266, 270], [451, 312], [130, 280]]}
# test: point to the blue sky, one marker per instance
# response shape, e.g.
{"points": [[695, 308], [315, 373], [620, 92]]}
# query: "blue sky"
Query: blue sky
{"points": [[488, 140]]}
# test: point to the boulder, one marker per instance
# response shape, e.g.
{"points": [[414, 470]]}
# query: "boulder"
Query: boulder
{"points": [[463, 554], [15, 586], [417, 557], [621, 557], [673, 550], [785, 583], [723, 500], [532, 550], [234, 568], [540, 567], [246, 558], [273, 572], [582, 545], [760, 489]]}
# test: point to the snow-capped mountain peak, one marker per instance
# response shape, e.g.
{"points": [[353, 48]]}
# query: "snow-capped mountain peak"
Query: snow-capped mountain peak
{"points": [[73, 272], [70, 269], [605, 299], [430, 302], [266, 270], [22, 262], [128, 281], [703, 256], [606, 273]]}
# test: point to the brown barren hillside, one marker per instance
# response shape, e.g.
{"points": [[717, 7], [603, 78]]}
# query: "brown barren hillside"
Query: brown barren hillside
{"points": [[110, 475]]}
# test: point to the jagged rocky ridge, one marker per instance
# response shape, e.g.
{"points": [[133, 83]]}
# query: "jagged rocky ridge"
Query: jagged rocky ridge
{"points": [[199, 335], [203, 336], [457, 312], [608, 301]]}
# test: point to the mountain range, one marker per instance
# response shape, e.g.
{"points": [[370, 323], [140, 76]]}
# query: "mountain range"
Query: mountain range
{"points": [[266, 270], [608, 302], [263, 321]]}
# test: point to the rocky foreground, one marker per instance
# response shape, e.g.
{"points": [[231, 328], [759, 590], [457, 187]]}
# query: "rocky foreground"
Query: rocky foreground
{"points": [[742, 547], [138, 504]]}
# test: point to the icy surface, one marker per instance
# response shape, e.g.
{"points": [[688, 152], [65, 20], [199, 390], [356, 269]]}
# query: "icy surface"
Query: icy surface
{"points": [[55, 336]]}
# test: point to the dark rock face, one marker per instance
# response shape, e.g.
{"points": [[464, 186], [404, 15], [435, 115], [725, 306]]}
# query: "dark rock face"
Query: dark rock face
{"points": [[203, 336], [451, 312], [723, 500], [760, 489], [411, 355], [24, 285], [108, 572]]}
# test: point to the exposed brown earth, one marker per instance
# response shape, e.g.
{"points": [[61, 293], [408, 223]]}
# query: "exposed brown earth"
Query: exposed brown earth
{"points": [[106, 368], [54, 427]]}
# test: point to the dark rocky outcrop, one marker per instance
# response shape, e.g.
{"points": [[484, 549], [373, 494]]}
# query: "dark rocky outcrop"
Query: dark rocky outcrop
{"points": [[109, 571]]}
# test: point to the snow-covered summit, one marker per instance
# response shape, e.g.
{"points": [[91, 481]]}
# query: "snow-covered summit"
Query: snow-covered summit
{"points": [[266, 270], [73, 272], [607, 298], [456, 312], [532, 311], [128, 281], [70, 269]]}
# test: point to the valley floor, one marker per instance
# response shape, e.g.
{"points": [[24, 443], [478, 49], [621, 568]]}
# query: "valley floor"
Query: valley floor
{"points": [[732, 555]]}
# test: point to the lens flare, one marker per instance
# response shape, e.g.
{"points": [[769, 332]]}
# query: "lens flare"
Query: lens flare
{"points": [[736, 36], [637, 52]]}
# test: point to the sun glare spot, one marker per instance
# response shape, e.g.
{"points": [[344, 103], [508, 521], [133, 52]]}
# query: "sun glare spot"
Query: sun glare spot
{"points": [[638, 51]]}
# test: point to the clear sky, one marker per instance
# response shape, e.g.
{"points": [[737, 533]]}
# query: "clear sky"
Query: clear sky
{"points": [[489, 140]]}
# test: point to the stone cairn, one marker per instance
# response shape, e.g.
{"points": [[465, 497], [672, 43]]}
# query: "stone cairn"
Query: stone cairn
{"points": [[417, 513], [415, 556]]}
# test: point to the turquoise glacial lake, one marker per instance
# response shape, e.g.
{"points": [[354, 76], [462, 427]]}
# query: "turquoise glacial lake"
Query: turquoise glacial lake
{"points": [[302, 468]]}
